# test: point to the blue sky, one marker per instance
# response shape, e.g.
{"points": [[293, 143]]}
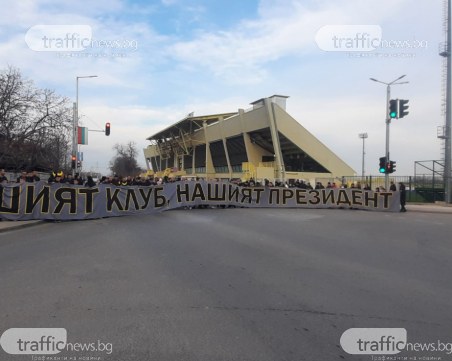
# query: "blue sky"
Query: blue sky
{"points": [[217, 56]]}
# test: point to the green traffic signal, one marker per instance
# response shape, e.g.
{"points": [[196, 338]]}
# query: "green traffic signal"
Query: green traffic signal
{"points": [[393, 108], [382, 165]]}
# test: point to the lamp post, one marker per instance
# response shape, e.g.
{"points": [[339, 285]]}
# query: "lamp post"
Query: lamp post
{"points": [[75, 123], [448, 125], [388, 118], [363, 136]]}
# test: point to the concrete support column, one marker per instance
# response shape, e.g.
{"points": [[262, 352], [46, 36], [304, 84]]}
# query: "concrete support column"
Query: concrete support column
{"points": [[210, 169], [280, 171], [193, 161], [225, 146]]}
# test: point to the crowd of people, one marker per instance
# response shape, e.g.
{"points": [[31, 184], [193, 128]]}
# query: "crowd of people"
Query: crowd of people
{"points": [[29, 176], [26, 176], [302, 184]]}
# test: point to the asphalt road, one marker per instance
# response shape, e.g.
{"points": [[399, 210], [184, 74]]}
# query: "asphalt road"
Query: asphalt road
{"points": [[230, 284]]}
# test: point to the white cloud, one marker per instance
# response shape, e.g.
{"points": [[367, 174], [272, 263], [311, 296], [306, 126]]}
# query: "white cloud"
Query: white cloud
{"points": [[243, 50], [283, 29]]}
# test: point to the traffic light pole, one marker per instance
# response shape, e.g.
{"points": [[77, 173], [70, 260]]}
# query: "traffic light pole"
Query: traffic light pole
{"points": [[75, 141], [388, 118], [74, 136], [388, 122]]}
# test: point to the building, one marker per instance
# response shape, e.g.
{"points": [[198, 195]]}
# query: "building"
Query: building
{"points": [[263, 142]]}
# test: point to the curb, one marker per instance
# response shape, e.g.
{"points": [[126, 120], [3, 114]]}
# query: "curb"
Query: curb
{"points": [[429, 210], [6, 226]]}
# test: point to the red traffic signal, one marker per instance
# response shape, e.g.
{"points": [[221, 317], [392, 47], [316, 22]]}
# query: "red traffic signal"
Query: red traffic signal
{"points": [[73, 161], [107, 128], [392, 166], [388, 167]]}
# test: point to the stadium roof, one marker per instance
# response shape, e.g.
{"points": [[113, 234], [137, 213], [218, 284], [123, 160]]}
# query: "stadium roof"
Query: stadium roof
{"points": [[188, 125]]}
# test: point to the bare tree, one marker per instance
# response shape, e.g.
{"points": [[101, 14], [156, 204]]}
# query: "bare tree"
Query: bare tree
{"points": [[125, 162], [34, 124]]}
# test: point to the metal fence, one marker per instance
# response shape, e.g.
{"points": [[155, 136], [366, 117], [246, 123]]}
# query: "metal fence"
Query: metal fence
{"points": [[422, 189]]}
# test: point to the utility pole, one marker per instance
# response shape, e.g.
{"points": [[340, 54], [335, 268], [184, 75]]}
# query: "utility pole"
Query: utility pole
{"points": [[363, 136], [75, 125], [447, 150]]}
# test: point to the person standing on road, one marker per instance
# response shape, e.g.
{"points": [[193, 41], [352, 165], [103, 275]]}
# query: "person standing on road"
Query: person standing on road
{"points": [[90, 182], [402, 190], [22, 178], [392, 188], [3, 178]]}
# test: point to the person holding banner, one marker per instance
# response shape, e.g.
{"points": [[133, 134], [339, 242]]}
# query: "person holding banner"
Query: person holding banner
{"points": [[3, 178]]}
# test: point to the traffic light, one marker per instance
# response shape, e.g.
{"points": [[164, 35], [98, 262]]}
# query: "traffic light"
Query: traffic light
{"points": [[382, 166], [73, 161], [403, 107], [107, 128], [393, 105], [79, 164], [392, 165], [388, 167]]}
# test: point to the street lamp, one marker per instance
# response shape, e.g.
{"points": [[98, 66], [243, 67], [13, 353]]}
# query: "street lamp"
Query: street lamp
{"points": [[388, 118], [363, 136], [75, 122]]}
